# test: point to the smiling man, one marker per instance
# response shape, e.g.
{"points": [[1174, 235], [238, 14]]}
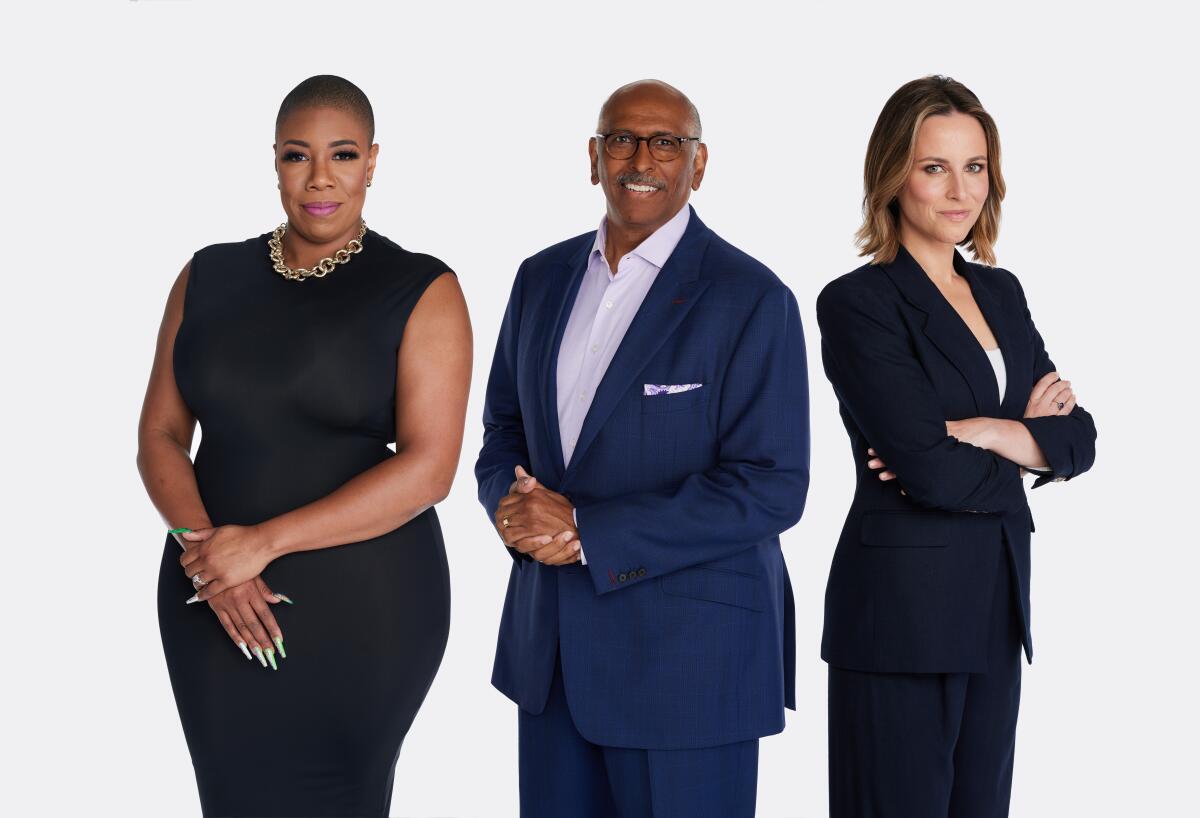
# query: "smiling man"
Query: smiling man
{"points": [[645, 443]]}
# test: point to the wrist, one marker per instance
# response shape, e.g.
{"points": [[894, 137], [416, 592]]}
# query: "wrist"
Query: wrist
{"points": [[273, 537]]}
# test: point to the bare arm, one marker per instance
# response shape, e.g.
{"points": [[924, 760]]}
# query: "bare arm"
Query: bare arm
{"points": [[165, 432], [433, 375], [166, 427]]}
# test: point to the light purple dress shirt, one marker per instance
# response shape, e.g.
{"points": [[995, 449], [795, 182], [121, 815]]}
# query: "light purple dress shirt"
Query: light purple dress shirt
{"points": [[600, 317]]}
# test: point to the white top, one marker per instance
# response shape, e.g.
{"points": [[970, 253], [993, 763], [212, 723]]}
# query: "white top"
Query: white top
{"points": [[997, 360]]}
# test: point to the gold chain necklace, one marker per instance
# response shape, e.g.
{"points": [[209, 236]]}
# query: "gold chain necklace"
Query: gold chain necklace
{"points": [[323, 266]]}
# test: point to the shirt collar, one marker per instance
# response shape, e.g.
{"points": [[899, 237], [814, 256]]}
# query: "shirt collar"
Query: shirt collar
{"points": [[658, 246]]}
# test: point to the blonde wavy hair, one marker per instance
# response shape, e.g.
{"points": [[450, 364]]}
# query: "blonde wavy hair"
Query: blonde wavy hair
{"points": [[890, 155]]}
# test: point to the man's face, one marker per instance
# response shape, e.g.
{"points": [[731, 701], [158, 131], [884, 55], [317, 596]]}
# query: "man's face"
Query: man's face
{"points": [[643, 192]]}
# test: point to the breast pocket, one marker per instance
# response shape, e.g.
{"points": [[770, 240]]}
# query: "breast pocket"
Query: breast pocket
{"points": [[692, 399]]}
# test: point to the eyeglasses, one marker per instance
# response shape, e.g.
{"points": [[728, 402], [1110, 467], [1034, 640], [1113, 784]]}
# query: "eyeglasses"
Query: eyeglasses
{"points": [[663, 146]]}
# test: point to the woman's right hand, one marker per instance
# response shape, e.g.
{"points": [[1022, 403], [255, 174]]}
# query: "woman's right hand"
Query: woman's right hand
{"points": [[1047, 395], [245, 613]]}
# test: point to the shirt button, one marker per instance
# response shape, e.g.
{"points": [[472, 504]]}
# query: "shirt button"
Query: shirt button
{"points": [[608, 305], [595, 348]]}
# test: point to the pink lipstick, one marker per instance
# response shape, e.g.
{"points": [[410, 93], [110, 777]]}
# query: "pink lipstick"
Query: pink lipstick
{"points": [[320, 208]]}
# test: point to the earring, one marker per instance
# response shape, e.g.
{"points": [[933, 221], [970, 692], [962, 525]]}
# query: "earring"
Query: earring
{"points": [[368, 183]]}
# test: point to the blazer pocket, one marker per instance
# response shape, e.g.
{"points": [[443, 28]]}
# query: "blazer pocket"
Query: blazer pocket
{"points": [[679, 402], [713, 585], [905, 529]]}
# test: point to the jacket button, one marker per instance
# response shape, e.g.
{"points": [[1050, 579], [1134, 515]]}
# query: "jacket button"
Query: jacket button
{"points": [[641, 572], [622, 577]]}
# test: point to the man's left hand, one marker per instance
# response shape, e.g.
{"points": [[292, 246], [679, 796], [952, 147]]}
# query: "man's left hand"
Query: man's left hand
{"points": [[537, 521]]}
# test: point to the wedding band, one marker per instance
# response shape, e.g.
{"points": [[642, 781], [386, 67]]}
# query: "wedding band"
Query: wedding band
{"points": [[197, 582], [504, 522]]}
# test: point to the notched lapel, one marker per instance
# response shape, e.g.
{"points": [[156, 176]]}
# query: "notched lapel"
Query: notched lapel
{"points": [[671, 297], [1003, 314], [558, 310], [946, 329]]}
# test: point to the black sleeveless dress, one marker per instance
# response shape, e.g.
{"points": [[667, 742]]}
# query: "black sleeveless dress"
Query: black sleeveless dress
{"points": [[293, 384]]}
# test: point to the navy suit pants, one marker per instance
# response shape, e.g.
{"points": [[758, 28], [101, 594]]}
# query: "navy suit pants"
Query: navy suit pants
{"points": [[929, 745], [563, 775]]}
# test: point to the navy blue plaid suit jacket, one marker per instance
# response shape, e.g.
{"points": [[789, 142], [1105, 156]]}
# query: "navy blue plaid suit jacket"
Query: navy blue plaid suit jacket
{"points": [[679, 631]]}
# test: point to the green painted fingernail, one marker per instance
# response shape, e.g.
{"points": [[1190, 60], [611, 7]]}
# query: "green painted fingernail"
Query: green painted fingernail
{"points": [[180, 531], [279, 644], [258, 652], [285, 599], [271, 658]]}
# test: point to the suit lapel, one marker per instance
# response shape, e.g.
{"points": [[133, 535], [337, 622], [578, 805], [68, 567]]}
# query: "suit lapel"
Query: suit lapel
{"points": [[671, 297], [558, 309], [946, 329], [1001, 313]]}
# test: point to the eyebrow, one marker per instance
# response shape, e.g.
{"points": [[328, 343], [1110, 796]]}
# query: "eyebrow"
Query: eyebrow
{"points": [[631, 131], [334, 144], [947, 162]]}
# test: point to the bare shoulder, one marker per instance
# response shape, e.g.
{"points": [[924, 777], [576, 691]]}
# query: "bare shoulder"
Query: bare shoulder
{"points": [[439, 322]]}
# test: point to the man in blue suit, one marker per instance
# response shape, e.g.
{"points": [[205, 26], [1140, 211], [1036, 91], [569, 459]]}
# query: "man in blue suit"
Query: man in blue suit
{"points": [[646, 442]]}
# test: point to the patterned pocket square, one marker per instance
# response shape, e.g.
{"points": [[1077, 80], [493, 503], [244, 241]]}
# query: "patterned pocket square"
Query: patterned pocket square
{"points": [[668, 388]]}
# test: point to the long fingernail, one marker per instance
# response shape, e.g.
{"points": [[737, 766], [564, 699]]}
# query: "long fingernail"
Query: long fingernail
{"points": [[194, 598], [279, 644], [180, 531], [258, 652], [271, 658], [285, 599], [245, 650]]}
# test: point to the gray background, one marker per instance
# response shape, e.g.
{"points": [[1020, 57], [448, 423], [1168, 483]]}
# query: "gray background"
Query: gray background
{"points": [[137, 132]]}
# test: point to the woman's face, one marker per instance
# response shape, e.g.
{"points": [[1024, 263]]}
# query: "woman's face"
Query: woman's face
{"points": [[324, 161], [948, 184]]}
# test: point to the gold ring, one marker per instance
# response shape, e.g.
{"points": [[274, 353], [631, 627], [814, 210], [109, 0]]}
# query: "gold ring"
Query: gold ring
{"points": [[504, 522]]}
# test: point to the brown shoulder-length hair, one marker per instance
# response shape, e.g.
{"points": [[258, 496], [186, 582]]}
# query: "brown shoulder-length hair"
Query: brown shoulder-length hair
{"points": [[890, 160]]}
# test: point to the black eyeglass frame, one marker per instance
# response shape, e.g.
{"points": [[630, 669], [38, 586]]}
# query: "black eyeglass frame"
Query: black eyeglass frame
{"points": [[638, 139]]}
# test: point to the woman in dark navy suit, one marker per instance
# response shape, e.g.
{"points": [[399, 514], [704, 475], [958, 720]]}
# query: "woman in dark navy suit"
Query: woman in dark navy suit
{"points": [[949, 397]]}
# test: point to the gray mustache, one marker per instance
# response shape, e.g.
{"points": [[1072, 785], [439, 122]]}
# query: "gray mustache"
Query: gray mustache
{"points": [[640, 179]]}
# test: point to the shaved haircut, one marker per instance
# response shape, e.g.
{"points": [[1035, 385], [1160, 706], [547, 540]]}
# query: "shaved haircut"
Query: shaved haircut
{"points": [[327, 90]]}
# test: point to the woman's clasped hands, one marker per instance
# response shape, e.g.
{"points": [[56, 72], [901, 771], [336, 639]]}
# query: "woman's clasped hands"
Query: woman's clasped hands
{"points": [[224, 565]]}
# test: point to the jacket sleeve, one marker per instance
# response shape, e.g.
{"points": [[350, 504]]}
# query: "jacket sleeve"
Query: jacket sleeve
{"points": [[1068, 441], [874, 370], [504, 446], [758, 486]]}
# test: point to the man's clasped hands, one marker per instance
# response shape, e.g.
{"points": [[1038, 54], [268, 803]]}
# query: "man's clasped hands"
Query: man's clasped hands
{"points": [[539, 522]]}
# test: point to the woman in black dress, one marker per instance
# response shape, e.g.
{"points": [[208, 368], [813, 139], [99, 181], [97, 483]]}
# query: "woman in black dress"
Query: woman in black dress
{"points": [[303, 354]]}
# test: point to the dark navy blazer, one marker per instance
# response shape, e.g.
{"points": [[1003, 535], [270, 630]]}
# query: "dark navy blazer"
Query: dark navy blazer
{"points": [[678, 633], [911, 584]]}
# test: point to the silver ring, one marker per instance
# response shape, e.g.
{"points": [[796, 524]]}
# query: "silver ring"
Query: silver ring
{"points": [[197, 582]]}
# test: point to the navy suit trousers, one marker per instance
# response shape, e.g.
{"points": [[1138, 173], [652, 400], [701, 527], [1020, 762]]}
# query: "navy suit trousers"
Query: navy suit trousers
{"points": [[929, 745], [565, 776]]}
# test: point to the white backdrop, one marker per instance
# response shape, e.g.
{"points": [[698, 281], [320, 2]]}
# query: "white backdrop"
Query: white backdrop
{"points": [[137, 132]]}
